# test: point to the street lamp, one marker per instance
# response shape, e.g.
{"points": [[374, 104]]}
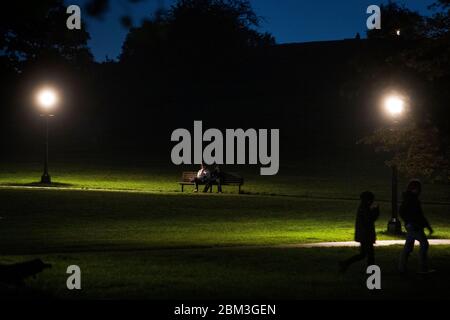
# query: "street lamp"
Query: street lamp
{"points": [[394, 106], [46, 99]]}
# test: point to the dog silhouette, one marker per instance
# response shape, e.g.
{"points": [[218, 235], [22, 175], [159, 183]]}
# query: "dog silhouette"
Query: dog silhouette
{"points": [[15, 274]]}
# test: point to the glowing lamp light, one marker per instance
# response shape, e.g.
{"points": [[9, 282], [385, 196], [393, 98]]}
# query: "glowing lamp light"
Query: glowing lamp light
{"points": [[394, 105], [47, 98], [397, 32]]}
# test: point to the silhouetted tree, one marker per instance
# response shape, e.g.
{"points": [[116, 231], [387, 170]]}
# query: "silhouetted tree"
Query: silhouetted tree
{"points": [[431, 57], [416, 147], [37, 31], [197, 30], [98, 8], [396, 17], [421, 147]]}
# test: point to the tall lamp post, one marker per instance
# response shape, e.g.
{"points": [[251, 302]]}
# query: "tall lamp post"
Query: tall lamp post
{"points": [[46, 99], [394, 106]]}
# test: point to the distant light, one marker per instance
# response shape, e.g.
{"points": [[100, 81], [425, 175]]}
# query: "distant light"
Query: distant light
{"points": [[47, 98], [394, 105], [397, 32]]}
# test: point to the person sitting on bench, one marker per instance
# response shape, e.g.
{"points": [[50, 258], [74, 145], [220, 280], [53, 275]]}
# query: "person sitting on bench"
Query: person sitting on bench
{"points": [[216, 177], [203, 176]]}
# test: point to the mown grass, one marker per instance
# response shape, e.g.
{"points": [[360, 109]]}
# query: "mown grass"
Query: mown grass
{"points": [[155, 242], [60, 221], [233, 274], [324, 180]]}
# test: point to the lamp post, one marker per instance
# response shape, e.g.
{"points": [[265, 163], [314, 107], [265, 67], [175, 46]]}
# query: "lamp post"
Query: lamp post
{"points": [[46, 100], [394, 106]]}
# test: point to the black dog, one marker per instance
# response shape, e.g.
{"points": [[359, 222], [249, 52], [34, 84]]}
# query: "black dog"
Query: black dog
{"points": [[15, 274]]}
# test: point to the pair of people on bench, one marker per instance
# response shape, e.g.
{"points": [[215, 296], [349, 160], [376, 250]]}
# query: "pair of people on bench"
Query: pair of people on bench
{"points": [[208, 178]]}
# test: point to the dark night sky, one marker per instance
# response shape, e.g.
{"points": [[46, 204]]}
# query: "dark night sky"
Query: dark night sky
{"points": [[287, 20]]}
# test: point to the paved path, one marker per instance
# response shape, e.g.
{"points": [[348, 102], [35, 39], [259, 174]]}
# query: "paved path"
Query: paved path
{"points": [[380, 243], [348, 244]]}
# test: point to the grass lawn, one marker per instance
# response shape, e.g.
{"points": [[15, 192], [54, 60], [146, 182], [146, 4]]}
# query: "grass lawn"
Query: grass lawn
{"points": [[327, 180], [233, 274], [156, 242], [61, 221]]}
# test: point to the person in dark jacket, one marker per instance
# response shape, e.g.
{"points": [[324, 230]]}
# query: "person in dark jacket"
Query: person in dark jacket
{"points": [[365, 234], [415, 223], [215, 177]]}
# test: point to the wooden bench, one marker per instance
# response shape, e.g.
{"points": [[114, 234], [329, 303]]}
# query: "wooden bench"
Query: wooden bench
{"points": [[229, 179]]}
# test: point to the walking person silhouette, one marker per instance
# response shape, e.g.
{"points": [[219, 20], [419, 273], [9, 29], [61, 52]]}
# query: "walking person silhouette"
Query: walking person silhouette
{"points": [[365, 234], [415, 222]]}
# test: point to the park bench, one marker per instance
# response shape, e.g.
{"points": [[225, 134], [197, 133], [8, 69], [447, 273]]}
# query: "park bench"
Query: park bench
{"points": [[229, 179]]}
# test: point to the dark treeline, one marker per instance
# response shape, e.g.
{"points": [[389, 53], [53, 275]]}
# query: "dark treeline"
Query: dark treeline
{"points": [[205, 60]]}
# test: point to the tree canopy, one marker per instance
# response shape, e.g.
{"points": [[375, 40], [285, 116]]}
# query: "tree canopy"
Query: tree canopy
{"points": [[197, 30], [396, 17], [37, 31]]}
